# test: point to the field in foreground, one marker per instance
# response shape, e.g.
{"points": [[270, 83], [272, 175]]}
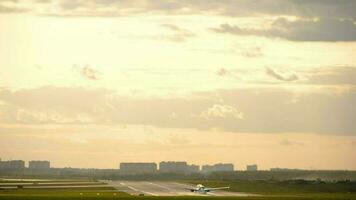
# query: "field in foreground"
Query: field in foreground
{"points": [[267, 190], [97, 194], [271, 187]]}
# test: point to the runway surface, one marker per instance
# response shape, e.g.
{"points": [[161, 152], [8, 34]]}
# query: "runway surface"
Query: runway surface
{"points": [[160, 188], [52, 185]]}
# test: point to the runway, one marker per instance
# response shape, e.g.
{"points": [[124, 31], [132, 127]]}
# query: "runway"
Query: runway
{"points": [[161, 188], [52, 185]]}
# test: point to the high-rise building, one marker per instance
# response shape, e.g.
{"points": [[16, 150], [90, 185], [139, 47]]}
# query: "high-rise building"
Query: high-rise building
{"points": [[193, 168], [173, 167], [251, 167], [220, 167], [12, 164], [177, 167], [37, 164], [138, 168]]}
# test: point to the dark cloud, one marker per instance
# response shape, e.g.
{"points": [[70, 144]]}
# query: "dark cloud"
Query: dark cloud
{"points": [[270, 72], [242, 110], [324, 29], [303, 8], [311, 8], [325, 8]]}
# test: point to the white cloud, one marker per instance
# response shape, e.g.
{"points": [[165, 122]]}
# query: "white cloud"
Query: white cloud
{"points": [[221, 111], [267, 110]]}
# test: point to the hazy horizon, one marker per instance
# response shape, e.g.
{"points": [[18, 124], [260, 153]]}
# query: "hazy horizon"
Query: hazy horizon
{"points": [[92, 83]]}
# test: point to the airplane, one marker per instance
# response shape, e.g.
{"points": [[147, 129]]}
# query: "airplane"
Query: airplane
{"points": [[202, 189]]}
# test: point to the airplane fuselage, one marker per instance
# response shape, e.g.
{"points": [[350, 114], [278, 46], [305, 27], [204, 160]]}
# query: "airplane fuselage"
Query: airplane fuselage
{"points": [[201, 189]]}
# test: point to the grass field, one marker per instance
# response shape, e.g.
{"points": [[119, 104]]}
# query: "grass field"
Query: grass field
{"points": [[2, 180], [110, 194], [297, 189], [268, 190], [284, 187], [87, 193]]}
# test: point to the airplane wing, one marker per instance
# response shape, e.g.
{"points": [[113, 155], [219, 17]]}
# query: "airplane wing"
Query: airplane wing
{"points": [[217, 188], [191, 189]]}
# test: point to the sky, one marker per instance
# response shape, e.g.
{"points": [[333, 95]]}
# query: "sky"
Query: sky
{"points": [[92, 83]]}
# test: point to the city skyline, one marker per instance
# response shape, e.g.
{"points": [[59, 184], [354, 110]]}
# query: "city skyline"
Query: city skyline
{"points": [[92, 83], [167, 165], [139, 167]]}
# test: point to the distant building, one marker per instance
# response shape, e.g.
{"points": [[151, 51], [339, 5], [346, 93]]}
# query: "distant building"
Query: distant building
{"points": [[138, 168], [284, 169], [251, 168], [207, 168], [173, 167], [12, 164], [193, 168], [37, 164], [221, 167], [224, 167], [177, 167]]}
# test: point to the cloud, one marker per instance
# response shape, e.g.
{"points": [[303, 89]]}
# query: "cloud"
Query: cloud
{"points": [[222, 72], [221, 111], [343, 75], [172, 27], [270, 72], [11, 9], [89, 73], [251, 52], [179, 34], [234, 8], [323, 29], [286, 142], [43, 1], [262, 110], [54, 105], [325, 8], [353, 143]]}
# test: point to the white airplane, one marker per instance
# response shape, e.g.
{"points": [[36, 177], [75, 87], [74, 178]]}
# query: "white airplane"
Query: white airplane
{"points": [[202, 189]]}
